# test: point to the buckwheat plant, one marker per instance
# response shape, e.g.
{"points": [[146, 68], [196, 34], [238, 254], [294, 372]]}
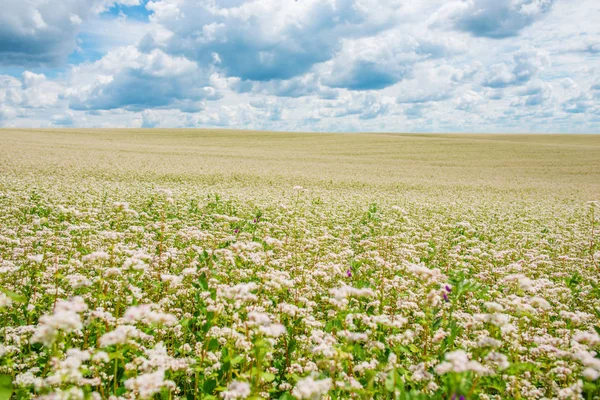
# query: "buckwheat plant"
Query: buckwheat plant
{"points": [[158, 286]]}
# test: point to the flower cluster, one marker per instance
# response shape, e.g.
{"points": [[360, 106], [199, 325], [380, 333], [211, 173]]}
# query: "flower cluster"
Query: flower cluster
{"points": [[115, 291]]}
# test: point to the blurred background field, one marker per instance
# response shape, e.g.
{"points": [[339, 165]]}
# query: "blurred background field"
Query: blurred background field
{"points": [[558, 166]]}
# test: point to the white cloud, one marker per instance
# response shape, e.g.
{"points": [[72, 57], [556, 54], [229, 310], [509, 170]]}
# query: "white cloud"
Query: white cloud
{"points": [[226, 116], [468, 101], [491, 18], [526, 63], [583, 102], [271, 109], [264, 40], [65, 119], [104, 33], [38, 32], [363, 105], [150, 119], [353, 65], [305, 85], [382, 60], [433, 82], [534, 94], [131, 79], [30, 91]]}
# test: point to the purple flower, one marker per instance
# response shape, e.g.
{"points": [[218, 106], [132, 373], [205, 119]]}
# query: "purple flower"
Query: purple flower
{"points": [[446, 297], [461, 397], [236, 230], [349, 274], [448, 289]]}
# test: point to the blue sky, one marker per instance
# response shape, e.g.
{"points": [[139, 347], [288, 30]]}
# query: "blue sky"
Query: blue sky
{"points": [[306, 65]]}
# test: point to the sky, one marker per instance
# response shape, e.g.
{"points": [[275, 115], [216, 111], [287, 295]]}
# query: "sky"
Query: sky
{"points": [[302, 65]]}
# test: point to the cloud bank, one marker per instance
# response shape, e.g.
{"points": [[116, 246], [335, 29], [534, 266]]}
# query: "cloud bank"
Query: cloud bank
{"points": [[320, 65]]}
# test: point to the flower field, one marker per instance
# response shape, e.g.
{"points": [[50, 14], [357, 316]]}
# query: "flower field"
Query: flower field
{"points": [[232, 265]]}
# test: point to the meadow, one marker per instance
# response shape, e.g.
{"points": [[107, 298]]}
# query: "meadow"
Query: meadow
{"points": [[199, 264]]}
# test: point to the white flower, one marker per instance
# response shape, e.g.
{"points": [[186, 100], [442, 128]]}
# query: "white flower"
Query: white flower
{"points": [[340, 295], [498, 359], [497, 319], [540, 302], [27, 379], [420, 373], [421, 270], [256, 318], [77, 281], [96, 256], [121, 205], [308, 388], [5, 301], [66, 318], [38, 258], [147, 385], [494, 307], [73, 393], [458, 361], [590, 374], [145, 313], [236, 390], [591, 338], [439, 335], [273, 330], [121, 335], [165, 192], [241, 292], [101, 357]]}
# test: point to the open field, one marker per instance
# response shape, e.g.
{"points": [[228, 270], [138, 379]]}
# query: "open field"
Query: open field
{"points": [[566, 163], [230, 264]]}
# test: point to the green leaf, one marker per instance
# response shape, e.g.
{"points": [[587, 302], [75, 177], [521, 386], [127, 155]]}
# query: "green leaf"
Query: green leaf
{"points": [[393, 381], [497, 386], [520, 367], [268, 377], [237, 360], [226, 367], [413, 348], [6, 387], [14, 296], [213, 344], [402, 349], [209, 386], [203, 282], [389, 382]]}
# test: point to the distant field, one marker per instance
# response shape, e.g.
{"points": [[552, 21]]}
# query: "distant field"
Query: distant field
{"points": [[200, 264], [564, 164]]}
